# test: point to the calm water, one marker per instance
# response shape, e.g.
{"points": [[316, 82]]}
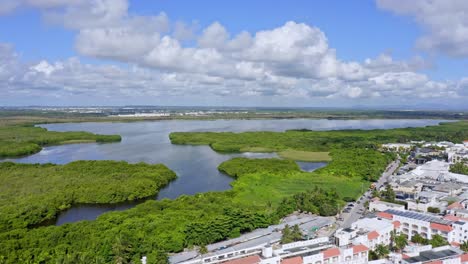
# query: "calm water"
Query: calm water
{"points": [[196, 166]]}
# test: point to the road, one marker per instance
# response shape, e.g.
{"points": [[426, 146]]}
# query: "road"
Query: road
{"points": [[358, 210]]}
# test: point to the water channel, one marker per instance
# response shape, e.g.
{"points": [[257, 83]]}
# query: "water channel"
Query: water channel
{"points": [[195, 166]]}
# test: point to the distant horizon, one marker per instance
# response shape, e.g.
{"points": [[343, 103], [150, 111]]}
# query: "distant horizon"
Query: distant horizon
{"points": [[364, 108]]}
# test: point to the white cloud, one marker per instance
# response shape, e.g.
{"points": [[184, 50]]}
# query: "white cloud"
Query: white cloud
{"points": [[291, 61], [445, 23]]}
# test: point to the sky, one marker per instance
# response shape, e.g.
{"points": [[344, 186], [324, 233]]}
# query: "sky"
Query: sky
{"points": [[325, 53]]}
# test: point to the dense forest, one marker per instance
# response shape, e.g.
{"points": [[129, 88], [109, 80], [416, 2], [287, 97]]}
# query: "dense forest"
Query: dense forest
{"points": [[20, 140], [264, 190], [156, 227], [33, 193]]}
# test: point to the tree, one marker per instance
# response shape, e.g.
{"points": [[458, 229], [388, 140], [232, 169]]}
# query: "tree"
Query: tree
{"points": [[389, 194], [375, 193], [417, 238], [202, 250], [464, 246], [291, 235], [434, 210], [401, 241], [438, 241], [296, 233], [381, 251], [286, 235]]}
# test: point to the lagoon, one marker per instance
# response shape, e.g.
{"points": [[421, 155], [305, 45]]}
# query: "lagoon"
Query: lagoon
{"points": [[195, 166]]}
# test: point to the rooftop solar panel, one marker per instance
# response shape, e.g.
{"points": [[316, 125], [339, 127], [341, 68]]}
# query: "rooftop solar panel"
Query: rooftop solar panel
{"points": [[419, 216]]}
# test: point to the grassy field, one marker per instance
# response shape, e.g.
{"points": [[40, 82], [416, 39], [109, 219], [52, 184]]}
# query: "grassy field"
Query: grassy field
{"points": [[304, 155]]}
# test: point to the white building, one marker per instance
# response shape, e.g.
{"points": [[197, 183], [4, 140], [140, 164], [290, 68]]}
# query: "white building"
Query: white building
{"points": [[458, 153], [426, 199], [427, 225], [375, 205], [434, 170], [367, 231], [397, 147], [440, 255]]}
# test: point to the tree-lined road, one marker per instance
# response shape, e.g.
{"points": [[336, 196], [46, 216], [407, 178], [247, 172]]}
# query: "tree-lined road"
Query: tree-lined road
{"points": [[358, 210]]}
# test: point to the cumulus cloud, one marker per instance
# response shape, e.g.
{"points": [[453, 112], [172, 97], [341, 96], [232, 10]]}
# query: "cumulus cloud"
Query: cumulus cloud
{"points": [[445, 23], [293, 60]]}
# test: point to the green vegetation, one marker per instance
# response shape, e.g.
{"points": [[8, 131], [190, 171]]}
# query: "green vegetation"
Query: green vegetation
{"points": [[304, 155], [290, 235], [418, 239], [464, 246], [459, 167], [269, 181], [32, 193], [388, 194], [264, 191], [435, 241], [400, 242], [17, 140], [381, 251], [433, 210]]}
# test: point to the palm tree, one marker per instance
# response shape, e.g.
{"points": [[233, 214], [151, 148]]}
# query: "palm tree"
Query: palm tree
{"points": [[392, 239], [381, 251], [464, 246], [401, 242]]}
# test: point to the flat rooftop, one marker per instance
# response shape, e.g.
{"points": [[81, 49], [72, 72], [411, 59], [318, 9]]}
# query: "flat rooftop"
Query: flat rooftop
{"points": [[432, 255], [419, 216]]}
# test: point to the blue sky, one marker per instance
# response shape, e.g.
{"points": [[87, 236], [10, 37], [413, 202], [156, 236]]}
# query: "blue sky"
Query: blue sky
{"points": [[304, 53]]}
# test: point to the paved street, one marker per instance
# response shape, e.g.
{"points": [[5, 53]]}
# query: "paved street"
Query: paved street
{"points": [[358, 209]]}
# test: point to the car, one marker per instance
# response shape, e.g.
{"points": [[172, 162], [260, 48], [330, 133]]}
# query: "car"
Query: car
{"points": [[350, 205]]}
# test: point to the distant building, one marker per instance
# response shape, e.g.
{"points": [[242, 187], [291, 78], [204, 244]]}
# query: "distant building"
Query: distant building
{"points": [[458, 153], [397, 147]]}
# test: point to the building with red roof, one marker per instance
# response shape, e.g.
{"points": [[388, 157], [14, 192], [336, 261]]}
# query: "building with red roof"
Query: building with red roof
{"points": [[293, 260], [245, 260], [330, 253], [372, 235]]}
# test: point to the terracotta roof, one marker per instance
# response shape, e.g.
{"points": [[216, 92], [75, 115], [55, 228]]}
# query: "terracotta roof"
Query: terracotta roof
{"points": [[385, 215], [464, 257], [359, 248], [372, 235], [455, 205], [404, 256], [246, 260], [451, 218], [444, 228], [396, 224], [331, 252], [294, 260]]}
